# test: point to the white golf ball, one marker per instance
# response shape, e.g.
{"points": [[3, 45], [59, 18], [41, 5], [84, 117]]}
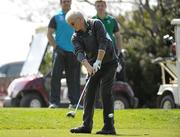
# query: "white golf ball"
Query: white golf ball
{"points": [[111, 115]]}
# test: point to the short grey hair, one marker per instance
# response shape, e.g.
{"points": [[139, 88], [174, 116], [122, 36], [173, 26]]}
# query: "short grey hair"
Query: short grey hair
{"points": [[73, 14]]}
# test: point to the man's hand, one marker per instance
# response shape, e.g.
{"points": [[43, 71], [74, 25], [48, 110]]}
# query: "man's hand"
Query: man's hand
{"points": [[89, 68], [97, 65]]}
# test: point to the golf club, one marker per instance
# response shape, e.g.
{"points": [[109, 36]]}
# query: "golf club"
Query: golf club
{"points": [[73, 113]]}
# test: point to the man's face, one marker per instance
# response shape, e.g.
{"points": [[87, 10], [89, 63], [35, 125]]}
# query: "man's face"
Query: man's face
{"points": [[76, 23], [100, 7], [66, 4]]}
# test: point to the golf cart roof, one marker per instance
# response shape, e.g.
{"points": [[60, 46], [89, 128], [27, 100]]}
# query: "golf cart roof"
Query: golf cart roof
{"points": [[35, 55]]}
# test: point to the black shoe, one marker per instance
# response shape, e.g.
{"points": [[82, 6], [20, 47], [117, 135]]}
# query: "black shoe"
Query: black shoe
{"points": [[107, 132], [81, 129]]}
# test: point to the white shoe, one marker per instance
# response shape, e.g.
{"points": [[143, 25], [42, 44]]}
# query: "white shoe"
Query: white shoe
{"points": [[53, 106], [74, 106]]}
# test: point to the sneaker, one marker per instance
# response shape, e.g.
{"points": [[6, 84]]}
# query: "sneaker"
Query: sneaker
{"points": [[53, 106], [107, 132], [71, 106], [81, 129]]}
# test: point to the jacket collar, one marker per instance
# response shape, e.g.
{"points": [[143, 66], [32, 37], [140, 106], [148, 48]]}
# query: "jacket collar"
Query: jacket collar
{"points": [[105, 18]]}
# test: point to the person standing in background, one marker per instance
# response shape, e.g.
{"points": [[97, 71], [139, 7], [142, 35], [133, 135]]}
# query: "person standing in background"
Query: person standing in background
{"points": [[113, 29], [63, 57]]}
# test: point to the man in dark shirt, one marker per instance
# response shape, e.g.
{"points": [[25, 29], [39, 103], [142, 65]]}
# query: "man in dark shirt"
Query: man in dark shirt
{"points": [[94, 49]]}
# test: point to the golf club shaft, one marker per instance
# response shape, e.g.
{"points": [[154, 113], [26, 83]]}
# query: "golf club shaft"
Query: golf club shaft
{"points": [[82, 94]]}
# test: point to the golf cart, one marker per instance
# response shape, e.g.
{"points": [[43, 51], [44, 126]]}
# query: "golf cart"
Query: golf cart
{"points": [[169, 91], [32, 88]]}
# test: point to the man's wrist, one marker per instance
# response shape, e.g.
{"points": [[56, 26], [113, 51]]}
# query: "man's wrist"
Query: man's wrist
{"points": [[100, 55], [85, 63]]}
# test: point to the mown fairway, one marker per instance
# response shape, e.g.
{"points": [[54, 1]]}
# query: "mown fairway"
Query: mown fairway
{"points": [[19, 122]]}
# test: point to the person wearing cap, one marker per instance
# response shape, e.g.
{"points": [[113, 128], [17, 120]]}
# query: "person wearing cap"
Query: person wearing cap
{"points": [[59, 36], [113, 29], [94, 49]]}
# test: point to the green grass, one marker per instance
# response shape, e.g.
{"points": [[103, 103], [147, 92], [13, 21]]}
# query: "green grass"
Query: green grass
{"points": [[19, 122]]}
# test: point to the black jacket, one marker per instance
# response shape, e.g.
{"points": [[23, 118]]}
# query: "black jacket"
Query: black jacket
{"points": [[88, 43]]}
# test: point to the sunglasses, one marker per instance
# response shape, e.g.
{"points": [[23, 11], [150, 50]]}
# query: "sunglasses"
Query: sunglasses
{"points": [[72, 24]]}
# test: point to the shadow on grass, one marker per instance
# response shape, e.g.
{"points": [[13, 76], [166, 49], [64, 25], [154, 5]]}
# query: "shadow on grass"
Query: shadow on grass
{"points": [[133, 135]]}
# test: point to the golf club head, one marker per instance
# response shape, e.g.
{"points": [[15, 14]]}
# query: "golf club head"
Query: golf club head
{"points": [[71, 114]]}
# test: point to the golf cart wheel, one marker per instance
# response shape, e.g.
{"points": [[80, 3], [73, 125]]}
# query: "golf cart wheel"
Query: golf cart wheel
{"points": [[31, 100], [15, 102], [121, 102], [167, 102]]}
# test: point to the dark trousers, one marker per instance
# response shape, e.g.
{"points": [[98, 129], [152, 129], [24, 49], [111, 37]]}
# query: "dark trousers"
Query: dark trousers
{"points": [[67, 61], [104, 77]]}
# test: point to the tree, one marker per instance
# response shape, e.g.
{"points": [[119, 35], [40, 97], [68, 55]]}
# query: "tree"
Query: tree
{"points": [[143, 31]]}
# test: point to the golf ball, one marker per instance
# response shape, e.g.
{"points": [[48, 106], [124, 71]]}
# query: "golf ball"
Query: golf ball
{"points": [[111, 115]]}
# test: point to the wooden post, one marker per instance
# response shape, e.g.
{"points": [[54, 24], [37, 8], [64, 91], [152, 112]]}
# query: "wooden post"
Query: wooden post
{"points": [[176, 22]]}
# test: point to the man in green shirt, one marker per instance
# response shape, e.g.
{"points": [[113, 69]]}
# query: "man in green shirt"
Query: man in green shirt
{"points": [[113, 29], [109, 22]]}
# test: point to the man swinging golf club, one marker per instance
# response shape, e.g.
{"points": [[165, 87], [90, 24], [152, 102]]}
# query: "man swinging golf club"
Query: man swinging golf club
{"points": [[94, 49]]}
